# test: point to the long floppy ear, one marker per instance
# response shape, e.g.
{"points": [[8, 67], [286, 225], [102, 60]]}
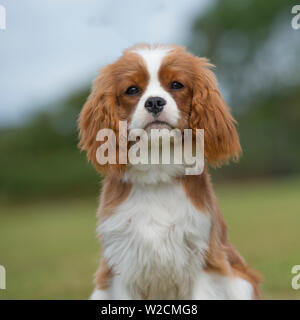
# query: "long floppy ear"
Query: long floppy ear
{"points": [[99, 112], [210, 112]]}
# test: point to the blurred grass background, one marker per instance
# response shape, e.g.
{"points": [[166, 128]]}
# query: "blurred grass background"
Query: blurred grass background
{"points": [[51, 252], [48, 191]]}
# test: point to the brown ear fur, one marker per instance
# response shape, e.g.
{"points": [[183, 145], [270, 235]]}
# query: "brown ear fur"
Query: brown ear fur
{"points": [[99, 112], [210, 112]]}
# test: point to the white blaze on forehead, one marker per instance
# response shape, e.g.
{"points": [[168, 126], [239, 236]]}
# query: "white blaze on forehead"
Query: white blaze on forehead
{"points": [[153, 58]]}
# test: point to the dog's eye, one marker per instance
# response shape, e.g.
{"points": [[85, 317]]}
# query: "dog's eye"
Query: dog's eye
{"points": [[176, 85], [131, 91]]}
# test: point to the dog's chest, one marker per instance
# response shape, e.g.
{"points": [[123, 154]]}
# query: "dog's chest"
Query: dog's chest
{"points": [[156, 241]]}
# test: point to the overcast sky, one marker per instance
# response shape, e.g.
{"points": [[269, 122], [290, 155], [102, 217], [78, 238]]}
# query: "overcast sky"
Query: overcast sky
{"points": [[51, 47]]}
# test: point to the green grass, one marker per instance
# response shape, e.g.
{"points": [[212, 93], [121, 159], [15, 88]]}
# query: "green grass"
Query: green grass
{"points": [[264, 224], [50, 249]]}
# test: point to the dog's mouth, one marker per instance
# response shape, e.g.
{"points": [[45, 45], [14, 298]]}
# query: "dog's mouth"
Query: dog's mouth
{"points": [[157, 124]]}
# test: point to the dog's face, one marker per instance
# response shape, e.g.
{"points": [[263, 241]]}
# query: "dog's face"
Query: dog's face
{"points": [[162, 92], [159, 87]]}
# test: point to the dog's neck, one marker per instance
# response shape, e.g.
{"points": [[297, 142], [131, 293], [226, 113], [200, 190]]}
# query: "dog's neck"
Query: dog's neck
{"points": [[154, 174]]}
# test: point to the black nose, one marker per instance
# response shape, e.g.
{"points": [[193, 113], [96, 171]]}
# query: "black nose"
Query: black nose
{"points": [[155, 104]]}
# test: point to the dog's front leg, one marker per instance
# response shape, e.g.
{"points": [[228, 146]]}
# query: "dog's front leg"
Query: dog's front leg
{"points": [[116, 291]]}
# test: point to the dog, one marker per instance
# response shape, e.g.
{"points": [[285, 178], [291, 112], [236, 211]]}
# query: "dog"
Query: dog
{"points": [[161, 231]]}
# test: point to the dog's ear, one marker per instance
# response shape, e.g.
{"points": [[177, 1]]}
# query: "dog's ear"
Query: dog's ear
{"points": [[210, 112], [99, 112]]}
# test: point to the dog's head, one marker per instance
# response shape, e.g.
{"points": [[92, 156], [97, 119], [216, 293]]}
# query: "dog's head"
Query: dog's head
{"points": [[159, 87]]}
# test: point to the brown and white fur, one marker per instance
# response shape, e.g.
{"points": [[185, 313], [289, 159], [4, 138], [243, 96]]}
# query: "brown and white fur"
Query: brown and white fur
{"points": [[162, 233]]}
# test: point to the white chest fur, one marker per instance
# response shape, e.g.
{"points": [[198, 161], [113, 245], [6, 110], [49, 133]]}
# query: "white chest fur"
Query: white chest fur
{"points": [[155, 241]]}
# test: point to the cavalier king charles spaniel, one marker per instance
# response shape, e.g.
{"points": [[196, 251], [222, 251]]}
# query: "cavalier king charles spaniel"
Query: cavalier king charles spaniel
{"points": [[161, 231]]}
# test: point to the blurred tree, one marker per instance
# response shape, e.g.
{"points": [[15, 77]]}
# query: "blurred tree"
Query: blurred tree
{"points": [[41, 158], [256, 52]]}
